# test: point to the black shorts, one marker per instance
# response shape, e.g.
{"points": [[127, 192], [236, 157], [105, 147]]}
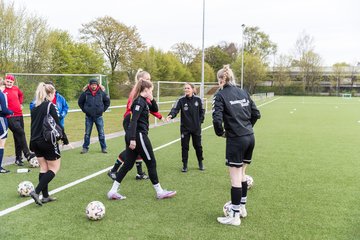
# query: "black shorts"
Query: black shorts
{"points": [[239, 150], [46, 150]]}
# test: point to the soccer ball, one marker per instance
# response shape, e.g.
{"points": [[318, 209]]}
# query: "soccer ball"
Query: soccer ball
{"points": [[25, 188], [34, 162], [95, 210], [227, 208], [250, 181]]}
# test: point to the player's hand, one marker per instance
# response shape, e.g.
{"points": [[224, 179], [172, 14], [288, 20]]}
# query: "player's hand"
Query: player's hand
{"points": [[132, 145], [168, 118]]}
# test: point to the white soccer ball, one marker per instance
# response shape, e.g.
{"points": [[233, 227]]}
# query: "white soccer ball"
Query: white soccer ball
{"points": [[250, 181], [34, 162], [227, 208], [25, 188], [95, 210]]}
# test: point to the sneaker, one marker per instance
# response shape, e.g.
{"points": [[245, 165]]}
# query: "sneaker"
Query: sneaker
{"points": [[48, 199], [232, 219], [115, 196], [184, 169], [84, 150], [3, 170], [201, 166], [165, 194], [30, 156], [19, 162], [104, 150], [142, 176], [112, 175], [36, 198], [243, 212]]}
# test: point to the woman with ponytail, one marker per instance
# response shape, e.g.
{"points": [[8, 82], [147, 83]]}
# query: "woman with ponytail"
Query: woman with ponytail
{"points": [[138, 142], [47, 152], [234, 107], [141, 75]]}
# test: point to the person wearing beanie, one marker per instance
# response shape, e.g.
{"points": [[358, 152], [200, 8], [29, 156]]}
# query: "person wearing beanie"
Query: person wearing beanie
{"points": [[94, 102], [16, 121]]}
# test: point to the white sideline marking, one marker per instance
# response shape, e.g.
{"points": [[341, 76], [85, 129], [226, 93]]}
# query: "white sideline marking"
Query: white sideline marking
{"points": [[59, 189]]}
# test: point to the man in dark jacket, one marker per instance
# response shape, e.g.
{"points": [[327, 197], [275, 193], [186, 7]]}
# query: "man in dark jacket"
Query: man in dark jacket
{"points": [[93, 102]]}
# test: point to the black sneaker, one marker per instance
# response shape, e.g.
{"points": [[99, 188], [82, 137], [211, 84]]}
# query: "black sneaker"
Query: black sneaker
{"points": [[201, 166], [142, 176], [3, 170], [112, 175], [36, 198], [48, 199], [84, 150], [104, 150], [184, 169], [30, 156], [19, 162]]}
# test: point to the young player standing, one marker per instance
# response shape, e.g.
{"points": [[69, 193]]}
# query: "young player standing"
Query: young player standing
{"points": [[138, 143], [192, 116], [234, 107]]}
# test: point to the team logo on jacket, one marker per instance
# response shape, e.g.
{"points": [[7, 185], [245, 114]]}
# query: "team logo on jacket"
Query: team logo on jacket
{"points": [[243, 102], [137, 107], [186, 107], [196, 104]]}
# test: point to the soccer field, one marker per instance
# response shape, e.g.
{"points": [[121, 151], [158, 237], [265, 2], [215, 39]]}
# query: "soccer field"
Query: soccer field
{"points": [[305, 167]]}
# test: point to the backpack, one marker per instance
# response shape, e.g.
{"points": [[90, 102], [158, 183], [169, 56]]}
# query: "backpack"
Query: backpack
{"points": [[52, 132]]}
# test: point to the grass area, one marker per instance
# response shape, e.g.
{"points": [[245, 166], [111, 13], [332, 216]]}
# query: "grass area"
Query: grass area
{"points": [[305, 168]]}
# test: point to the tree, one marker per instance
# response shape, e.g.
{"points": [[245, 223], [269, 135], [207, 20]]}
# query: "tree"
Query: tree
{"points": [[195, 69], [258, 43], [254, 70], [216, 57], [339, 73], [118, 42], [185, 52], [308, 61], [22, 40], [281, 73], [231, 49]]}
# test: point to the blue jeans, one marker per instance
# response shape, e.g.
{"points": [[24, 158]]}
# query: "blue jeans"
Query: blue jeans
{"points": [[99, 122]]}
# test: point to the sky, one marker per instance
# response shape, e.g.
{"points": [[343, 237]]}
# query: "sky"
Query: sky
{"points": [[333, 24]]}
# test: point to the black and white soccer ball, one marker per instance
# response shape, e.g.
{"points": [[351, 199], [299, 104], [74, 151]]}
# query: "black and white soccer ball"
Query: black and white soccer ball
{"points": [[25, 188], [34, 163], [227, 208], [95, 210], [250, 181]]}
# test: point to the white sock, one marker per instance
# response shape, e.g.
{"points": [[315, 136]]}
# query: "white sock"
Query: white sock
{"points": [[235, 207], [115, 186], [158, 188]]}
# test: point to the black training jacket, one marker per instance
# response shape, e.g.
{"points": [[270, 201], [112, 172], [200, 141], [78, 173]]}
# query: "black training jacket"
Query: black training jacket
{"points": [[234, 107], [192, 113], [140, 116]]}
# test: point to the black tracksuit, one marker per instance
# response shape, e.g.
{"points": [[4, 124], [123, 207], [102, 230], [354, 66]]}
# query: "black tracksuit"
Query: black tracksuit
{"points": [[234, 107], [138, 131], [192, 116]]}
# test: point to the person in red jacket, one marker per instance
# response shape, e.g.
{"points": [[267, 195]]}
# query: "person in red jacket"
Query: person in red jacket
{"points": [[16, 121]]}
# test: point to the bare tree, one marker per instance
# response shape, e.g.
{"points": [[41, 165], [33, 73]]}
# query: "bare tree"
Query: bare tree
{"points": [[282, 71], [120, 43], [185, 52], [308, 61]]}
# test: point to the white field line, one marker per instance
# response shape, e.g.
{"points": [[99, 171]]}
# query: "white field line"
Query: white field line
{"points": [[59, 189]]}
